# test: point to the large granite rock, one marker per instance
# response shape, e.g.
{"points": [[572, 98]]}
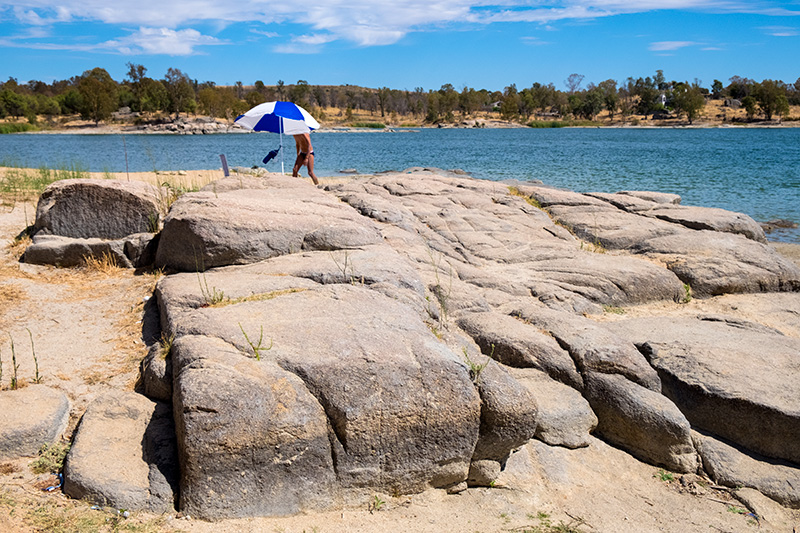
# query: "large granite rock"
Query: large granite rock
{"points": [[732, 467], [94, 208], [736, 379], [508, 420], [124, 454], [30, 417], [208, 229], [564, 417], [252, 440], [518, 344], [641, 421], [712, 250], [133, 251]]}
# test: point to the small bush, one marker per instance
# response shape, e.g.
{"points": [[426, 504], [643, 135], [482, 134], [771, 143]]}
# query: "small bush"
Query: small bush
{"points": [[372, 125], [51, 458], [17, 127]]}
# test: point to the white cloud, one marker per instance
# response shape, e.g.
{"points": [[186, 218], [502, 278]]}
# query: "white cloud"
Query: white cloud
{"points": [[669, 46], [363, 22], [151, 41], [781, 31], [533, 41]]}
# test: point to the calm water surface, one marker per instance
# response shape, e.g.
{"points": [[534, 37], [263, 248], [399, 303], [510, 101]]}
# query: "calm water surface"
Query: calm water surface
{"points": [[754, 171]]}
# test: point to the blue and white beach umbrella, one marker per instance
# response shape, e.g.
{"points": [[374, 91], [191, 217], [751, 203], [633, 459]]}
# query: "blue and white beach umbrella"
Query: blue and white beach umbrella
{"points": [[278, 117]]}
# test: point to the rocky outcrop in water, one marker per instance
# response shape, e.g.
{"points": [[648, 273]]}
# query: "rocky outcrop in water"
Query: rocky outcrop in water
{"points": [[411, 330]]}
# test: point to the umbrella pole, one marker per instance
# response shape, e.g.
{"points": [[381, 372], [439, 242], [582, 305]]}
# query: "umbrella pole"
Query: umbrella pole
{"points": [[281, 148]]}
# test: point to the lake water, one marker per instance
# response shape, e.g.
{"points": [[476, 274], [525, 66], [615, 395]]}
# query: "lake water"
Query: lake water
{"points": [[753, 171]]}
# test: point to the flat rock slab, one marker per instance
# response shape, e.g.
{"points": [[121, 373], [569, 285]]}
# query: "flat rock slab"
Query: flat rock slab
{"points": [[207, 229], [494, 238], [94, 208], [713, 250], [124, 454], [30, 417], [731, 467], [738, 380]]}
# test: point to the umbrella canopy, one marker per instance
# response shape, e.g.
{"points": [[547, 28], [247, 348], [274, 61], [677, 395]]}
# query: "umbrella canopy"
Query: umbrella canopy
{"points": [[278, 117]]}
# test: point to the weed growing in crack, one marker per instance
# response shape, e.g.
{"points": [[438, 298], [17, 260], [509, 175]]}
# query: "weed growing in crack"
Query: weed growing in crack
{"points": [[441, 293], [345, 266], [166, 344], [37, 378], [375, 504], [14, 365], [687, 294], [664, 476], [257, 348], [474, 368], [211, 296]]}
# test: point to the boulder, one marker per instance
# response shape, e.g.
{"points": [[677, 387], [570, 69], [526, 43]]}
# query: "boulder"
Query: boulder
{"points": [[641, 421], [692, 217], [252, 440], [714, 263], [508, 420], [205, 230], [593, 347], [95, 208], [123, 454], [515, 343], [654, 196], [733, 467], [131, 252], [564, 417], [736, 379], [30, 417], [402, 408], [156, 372]]}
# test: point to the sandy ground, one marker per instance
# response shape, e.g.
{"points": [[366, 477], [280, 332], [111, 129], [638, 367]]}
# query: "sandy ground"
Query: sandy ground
{"points": [[87, 335]]}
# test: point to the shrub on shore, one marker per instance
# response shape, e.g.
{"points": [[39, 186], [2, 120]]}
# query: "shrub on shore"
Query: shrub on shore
{"points": [[17, 127], [373, 125]]}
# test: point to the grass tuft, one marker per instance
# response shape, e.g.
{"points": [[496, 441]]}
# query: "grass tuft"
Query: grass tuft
{"points": [[105, 264]]}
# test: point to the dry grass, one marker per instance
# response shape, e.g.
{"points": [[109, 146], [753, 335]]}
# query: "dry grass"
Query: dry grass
{"points": [[104, 265], [10, 294]]}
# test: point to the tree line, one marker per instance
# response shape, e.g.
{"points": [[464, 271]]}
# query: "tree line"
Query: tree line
{"points": [[95, 96]]}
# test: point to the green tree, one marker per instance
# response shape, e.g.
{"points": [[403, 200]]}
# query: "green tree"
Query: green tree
{"points": [[610, 94], [15, 104], [383, 98], [153, 96], [509, 107], [749, 104], [688, 100], [70, 101], [180, 92], [716, 89], [299, 92], [98, 95], [592, 103], [771, 98]]}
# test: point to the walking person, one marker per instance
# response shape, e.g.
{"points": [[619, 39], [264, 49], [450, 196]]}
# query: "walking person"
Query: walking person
{"points": [[305, 156]]}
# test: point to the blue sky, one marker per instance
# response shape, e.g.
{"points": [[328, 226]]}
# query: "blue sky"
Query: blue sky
{"points": [[403, 44]]}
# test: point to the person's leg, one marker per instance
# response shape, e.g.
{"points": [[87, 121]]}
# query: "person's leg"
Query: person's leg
{"points": [[298, 163], [310, 165]]}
